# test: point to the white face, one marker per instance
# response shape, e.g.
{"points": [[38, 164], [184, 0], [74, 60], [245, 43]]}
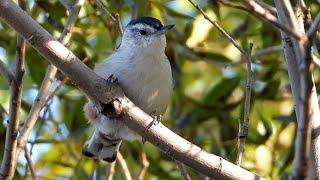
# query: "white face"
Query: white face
{"points": [[143, 36]]}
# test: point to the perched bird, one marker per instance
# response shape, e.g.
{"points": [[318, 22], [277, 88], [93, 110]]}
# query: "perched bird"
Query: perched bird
{"points": [[144, 73]]}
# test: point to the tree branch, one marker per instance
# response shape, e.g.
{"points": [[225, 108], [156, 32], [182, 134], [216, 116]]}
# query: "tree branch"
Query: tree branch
{"points": [[115, 20], [124, 166], [264, 14], [101, 92], [144, 166], [8, 164], [214, 23], [29, 161], [243, 133], [314, 27], [298, 58], [110, 170], [184, 172]]}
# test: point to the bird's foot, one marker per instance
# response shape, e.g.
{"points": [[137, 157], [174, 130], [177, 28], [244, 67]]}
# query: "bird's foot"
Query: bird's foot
{"points": [[156, 120], [113, 79]]}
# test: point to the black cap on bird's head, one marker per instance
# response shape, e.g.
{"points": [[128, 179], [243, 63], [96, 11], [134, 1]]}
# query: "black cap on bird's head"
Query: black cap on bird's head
{"points": [[152, 22]]}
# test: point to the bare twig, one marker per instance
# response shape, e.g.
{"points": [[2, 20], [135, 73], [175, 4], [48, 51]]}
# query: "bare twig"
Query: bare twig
{"points": [[214, 23], [115, 20], [72, 19], [144, 166], [314, 27], [124, 166], [110, 170], [3, 110], [60, 85], [268, 7], [6, 73], [308, 22], [233, 5], [264, 14], [29, 161], [268, 50], [244, 128], [119, 25], [36, 107], [67, 4], [184, 172], [8, 163]]}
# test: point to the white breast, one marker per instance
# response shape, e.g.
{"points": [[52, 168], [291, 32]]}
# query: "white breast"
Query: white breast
{"points": [[146, 80]]}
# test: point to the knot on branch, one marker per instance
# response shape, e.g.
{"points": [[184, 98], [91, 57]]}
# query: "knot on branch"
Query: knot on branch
{"points": [[112, 109], [243, 131]]}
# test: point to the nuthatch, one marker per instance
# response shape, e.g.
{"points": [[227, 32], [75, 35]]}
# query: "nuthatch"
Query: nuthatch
{"points": [[143, 72]]}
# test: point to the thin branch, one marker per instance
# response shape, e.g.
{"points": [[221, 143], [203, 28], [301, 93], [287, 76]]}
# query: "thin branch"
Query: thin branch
{"points": [[264, 14], [244, 128], [119, 25], [67, 4], [115, 20], [60, 85], [307, 24], [268, 50], [184, 172], [72, 19], [8, 163], [6, 73], [214, 23], [268, 7], [233, 5], [110, 170], [144, 166], [124, 166], [314, 27], [3, 110], [36, 108], [29, 161]]}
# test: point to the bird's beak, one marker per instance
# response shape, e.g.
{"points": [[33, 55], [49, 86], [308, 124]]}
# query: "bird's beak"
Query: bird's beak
{"points": [[164, 29]]}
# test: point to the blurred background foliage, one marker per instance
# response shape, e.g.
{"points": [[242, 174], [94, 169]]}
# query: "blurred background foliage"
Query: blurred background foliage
{"points": [[207, 103]]}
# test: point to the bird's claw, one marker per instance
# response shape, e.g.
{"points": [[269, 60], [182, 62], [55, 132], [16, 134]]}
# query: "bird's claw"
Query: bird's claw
{"points": [[156, 120], [113, 79]]}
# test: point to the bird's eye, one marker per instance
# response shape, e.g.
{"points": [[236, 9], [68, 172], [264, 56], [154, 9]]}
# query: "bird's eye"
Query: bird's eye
{"points": [[142, 32]]}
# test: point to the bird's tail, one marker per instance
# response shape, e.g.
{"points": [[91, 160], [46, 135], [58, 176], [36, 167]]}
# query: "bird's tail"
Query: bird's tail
{"points": [[102, 147]]}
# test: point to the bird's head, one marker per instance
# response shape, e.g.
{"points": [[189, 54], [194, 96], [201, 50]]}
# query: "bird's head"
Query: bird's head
{"points": [[145, 32]]}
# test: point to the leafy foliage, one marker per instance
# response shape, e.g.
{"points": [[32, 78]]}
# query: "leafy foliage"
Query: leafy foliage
{"points": [[207, 103]]}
